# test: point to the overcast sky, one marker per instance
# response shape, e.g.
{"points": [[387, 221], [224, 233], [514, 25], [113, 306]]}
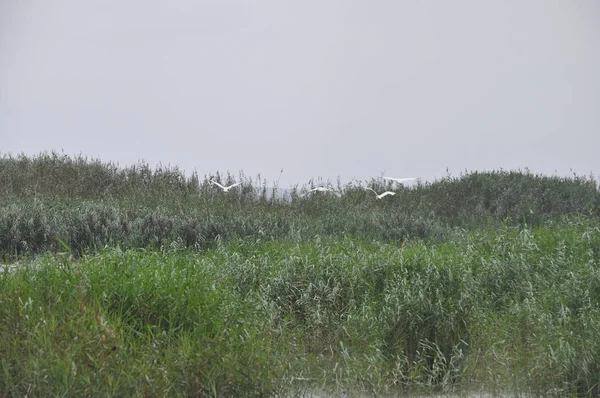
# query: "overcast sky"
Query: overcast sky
{"points": [[318, 88]]}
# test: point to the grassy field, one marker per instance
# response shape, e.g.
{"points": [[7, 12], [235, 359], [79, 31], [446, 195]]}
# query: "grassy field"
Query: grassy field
{"points": [[140, 282]]}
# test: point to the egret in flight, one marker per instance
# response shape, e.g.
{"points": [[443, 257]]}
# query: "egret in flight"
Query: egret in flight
{"points": [[225, 189], [383, 194], [400, 180], [323, 189]]}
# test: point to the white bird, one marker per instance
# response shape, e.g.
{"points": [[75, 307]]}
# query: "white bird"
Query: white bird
{"points": [[400, 180], [383, 194], [225, 189], [323, 189]]}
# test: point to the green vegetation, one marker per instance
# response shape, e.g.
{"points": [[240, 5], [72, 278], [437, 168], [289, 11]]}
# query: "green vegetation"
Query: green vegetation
{"points": [[143, 282]]}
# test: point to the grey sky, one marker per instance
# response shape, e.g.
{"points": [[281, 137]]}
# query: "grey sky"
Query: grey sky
{"points": [[319, 88]]}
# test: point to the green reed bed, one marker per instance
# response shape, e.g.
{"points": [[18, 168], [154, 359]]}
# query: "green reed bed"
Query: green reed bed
{"points": [[139, 281], [468, 199], [506, 310], [36, 226]]}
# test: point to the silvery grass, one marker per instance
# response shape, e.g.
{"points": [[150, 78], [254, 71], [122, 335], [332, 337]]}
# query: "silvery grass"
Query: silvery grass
{"points": [[92, 205], [87, 226], [513, 310]]}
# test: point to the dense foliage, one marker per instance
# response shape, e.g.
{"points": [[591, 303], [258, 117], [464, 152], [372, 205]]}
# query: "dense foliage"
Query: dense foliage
{"points": [[142, 282], [90, 204]]}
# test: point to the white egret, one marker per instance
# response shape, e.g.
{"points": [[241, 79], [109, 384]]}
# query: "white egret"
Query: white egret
{"points": [[324, 189], [400, 180], [383, 194], [225, 189]]}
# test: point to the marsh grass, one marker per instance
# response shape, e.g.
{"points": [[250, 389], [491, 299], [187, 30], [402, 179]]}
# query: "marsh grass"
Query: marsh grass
{"points": [[133, 281], [512, 310], [92, 205]]}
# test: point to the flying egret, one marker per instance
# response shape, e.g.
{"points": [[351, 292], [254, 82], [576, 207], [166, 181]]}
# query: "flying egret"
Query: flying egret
{"points": [[400, 180], [323, 189], [383, 194], [225, 189]]}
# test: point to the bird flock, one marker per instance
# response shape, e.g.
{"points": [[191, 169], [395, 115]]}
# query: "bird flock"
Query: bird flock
{"points": [[330, 190]]}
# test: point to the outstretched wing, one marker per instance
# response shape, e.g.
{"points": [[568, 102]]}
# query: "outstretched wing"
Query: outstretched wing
{"points": [[234, 185], [372, 191], [386, 193], [216, 183], [400, 180]]}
